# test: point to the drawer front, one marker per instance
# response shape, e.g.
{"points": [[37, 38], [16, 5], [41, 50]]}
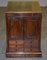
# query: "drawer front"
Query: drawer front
{"points": [[11, 45], [27, 49], [21, 45]]}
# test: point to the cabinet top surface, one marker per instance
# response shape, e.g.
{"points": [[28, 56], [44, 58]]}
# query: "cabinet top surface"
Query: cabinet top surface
{"points": [[33, 6]]}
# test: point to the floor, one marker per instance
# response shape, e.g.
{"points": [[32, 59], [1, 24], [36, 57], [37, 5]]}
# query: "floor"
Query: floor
{"points": [[3, 37]]}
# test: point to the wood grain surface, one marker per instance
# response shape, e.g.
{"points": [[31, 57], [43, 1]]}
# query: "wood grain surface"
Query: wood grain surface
{"points": [[23, 30]]}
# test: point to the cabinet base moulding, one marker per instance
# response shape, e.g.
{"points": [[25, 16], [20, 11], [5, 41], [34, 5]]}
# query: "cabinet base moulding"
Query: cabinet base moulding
{"points": [[23, 54]]}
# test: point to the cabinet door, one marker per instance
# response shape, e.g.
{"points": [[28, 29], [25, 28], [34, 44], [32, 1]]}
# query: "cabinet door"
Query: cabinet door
{"points": [[15, 27], [29, 29]]}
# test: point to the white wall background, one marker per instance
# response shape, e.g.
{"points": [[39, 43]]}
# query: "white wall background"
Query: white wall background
{"points": [[4, 2]]}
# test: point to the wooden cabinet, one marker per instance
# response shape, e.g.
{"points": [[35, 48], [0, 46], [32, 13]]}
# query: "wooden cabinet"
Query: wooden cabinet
{"points": [[23, 30]]}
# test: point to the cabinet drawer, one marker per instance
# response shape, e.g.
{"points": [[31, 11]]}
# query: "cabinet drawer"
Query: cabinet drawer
{"points": [[26, 42], [27, 49], [12, 49], [20, 42], [12, 45], [35, 49], [12, 42], [20, 45], [20, 49]]}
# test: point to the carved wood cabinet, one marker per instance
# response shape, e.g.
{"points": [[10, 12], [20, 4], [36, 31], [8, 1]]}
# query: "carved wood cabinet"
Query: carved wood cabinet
{"points": [[23, 28]]}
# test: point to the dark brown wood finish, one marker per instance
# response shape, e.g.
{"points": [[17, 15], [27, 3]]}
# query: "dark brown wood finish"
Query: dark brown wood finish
{"points": [[23, 29], [23, 34]]}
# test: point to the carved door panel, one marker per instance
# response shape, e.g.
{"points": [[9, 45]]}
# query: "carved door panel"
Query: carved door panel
{"points": [[29, 29], [15, 27]]}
